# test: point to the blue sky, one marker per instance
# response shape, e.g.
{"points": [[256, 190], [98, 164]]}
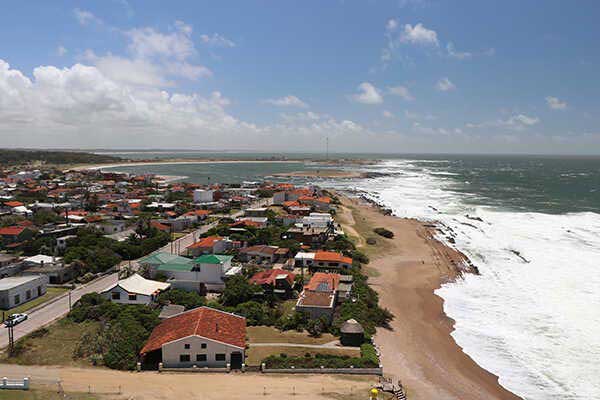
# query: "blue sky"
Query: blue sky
{"points": [[382, 76]]}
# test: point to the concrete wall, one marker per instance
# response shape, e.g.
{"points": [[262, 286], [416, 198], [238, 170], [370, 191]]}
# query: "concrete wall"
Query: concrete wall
{"points": [[8, 297], [124, 297], [171, 352]]}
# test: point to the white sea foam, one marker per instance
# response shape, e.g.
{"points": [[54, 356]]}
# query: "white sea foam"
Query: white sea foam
{"points": [[533, 315]]}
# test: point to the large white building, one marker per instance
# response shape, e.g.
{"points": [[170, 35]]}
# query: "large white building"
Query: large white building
{"points": [[17, 290], [202, 337], [203, 196], [135, 290]]}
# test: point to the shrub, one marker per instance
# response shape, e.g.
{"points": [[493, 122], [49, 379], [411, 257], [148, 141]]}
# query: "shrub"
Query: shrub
{"points": [[384, 232], [368, 352], [359, 256], [371, 241]]}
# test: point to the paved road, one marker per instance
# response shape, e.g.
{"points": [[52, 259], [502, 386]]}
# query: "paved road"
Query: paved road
{"points": [[55, 309]]}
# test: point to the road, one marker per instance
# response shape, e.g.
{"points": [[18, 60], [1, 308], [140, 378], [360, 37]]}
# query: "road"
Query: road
{"points": [[57, 308]]}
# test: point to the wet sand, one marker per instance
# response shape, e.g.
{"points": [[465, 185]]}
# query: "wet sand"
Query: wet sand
{"points": [[418, 348]]}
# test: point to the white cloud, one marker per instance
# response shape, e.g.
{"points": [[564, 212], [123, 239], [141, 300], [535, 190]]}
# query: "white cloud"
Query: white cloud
{"points": [[388, 114], [217, 40], [522, 119], [147, 42], [460, 55], [445, 85], [287, 101], [85, 17], [61, 51], [401, 91], [418, 34], [368, 94], [517, 122], [556, 104], [391, 25]]}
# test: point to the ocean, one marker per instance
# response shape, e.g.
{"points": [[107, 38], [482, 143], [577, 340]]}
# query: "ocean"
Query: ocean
{"points": [[532, 227]]}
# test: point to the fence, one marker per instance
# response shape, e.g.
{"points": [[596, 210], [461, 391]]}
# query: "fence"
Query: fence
{"points": [[18, 384], [323, 370]]}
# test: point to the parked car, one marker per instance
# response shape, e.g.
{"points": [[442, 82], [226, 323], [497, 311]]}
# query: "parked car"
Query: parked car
{"points": [[15, 319]]}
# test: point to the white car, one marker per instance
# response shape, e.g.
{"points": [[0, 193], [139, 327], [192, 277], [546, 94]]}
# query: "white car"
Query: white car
{"points": [[15, 319]]}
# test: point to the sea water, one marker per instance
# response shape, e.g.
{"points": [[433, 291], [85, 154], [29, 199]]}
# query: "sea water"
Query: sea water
{"points": [[532, 227]]}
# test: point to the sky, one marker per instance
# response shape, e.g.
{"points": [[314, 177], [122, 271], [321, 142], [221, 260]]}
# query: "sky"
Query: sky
{"points": [[398, 76]]}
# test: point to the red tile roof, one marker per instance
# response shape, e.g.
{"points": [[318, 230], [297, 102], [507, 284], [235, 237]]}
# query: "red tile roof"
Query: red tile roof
{"points": [[330, 256], [322, 281], [268, 277], [13, 203], [11, 230], [203, 321], [159, 226], [208, 241]]}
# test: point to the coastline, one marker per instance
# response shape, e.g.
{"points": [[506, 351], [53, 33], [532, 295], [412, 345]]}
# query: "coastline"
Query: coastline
{"points": [[406, 271], [172, 162]]}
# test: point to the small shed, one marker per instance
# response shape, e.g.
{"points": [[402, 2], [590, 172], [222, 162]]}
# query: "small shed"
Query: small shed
{"points": [[352, 333]]}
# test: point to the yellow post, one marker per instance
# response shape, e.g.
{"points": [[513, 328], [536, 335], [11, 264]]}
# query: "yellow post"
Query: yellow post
{"points": [[374, 394]]}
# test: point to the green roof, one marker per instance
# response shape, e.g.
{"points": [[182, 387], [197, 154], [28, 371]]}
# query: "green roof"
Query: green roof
{"points": [[212, 259], [175, 267], [164, 258]]}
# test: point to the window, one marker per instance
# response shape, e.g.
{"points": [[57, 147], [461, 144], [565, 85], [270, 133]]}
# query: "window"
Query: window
{"points": [[132, 297], [116, 296], [203, 345], [184, 358], [201, 357], [186, 346], [17, 299], [219, 357], [28, 294]]}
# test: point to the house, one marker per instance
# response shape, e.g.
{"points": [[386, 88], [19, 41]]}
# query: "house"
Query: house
{"points": [[170, 310], [155, 260], [18, 290], [112, 226], [206, 273], [203, 196], [319, 297], [276, 281], [323, 261], [352, 333], [61, 242], [312, 236], [135, 290], [15, 234], [255, 212], [208, 245], [202, 337], [53, 267], [263, 254]]}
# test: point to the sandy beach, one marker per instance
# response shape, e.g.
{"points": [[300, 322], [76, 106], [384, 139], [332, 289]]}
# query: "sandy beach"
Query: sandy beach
{"points": [[418, 348]]}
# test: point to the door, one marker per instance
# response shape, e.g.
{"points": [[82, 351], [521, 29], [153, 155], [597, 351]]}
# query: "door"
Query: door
{"points": [[236, 360]]}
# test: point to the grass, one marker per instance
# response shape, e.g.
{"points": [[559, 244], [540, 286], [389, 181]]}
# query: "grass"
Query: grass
{"points": [[38, 394], [56, 347], [268, 334], [255, 355], [51, 293]]}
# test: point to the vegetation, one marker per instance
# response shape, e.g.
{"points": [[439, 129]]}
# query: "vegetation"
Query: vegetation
{"points": [[238, 290], [15, 157], [125, 329], [364, 309], [317, 360], [184, 298], [384, 232]]}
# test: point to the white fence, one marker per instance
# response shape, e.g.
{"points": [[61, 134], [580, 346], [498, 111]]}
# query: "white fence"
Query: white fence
{"points": [[19, 384]]}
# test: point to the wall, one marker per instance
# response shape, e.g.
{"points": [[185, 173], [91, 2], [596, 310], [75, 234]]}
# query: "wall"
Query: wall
{"points": [[7, 297], [141, 299], [172, 350]]}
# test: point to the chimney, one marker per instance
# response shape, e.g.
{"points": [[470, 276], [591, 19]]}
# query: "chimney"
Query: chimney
{"points": [[217, 327]]}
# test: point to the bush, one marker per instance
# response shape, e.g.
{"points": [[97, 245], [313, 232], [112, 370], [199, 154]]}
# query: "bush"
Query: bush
{"points": [[368, 352], [384, 232], [316, 361], [371, 241], [177, 296], [359, 256]]}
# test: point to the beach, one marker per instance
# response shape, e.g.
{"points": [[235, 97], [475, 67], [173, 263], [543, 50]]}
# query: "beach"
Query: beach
{"points": [[418, 347]]}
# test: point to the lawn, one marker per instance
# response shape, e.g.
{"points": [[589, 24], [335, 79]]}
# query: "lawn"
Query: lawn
{"points": [[37, 394], [268, 334], [255, 355], [54, 345], [51, 293]]}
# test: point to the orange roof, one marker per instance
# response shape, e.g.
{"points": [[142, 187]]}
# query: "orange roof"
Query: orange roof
{"points": [[324, 199], [290, 203], [331, 256], [208, 241], [11, 230], [13, 203], [202, 321], [323, 282], [268, 277]]}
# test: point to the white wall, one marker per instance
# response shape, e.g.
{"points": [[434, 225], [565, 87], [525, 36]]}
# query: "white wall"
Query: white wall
{"points": [[171, 352], [124, 299]]}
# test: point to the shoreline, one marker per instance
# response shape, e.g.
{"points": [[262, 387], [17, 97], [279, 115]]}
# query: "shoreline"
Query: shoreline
{"points": [[93, 167], [418, 347]]}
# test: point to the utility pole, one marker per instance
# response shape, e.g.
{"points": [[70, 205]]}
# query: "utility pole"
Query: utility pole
{"points": [[69, 300], [327, 148], [11, 340]]}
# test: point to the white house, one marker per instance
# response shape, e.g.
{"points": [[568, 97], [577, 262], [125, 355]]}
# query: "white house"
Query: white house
{"points": [[135, 290], [202, 337], [203, 195], [205, 273], [21, 289]]}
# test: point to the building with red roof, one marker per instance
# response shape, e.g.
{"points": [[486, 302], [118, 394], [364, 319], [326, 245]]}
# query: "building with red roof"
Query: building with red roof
{"points": [[15, 234], [202, 337], [208, 245], [276, 281]]}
